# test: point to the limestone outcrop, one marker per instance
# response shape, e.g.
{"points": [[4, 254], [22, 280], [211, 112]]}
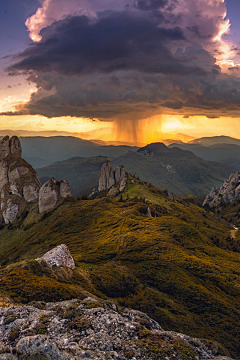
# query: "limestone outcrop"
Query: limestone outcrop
{"points": [[19, 182], [110, 177], [100, 332], [52, 193], [20, 185], [228, 192], [59, 256]]}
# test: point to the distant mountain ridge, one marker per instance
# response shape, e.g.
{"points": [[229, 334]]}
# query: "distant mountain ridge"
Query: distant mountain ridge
{"points": [[42, 151], [175, 169], [207, 149], [213, 140]]}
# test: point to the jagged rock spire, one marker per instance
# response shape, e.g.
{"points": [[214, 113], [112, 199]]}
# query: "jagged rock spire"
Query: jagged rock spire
{"points": [[110, 177]]}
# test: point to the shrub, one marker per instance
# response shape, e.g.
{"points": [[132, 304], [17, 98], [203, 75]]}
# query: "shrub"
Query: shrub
{"points": [[13, 334]]}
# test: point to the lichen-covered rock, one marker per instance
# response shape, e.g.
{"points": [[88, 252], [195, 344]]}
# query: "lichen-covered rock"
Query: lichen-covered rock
{"points": [[59, 256], [40, 344], [52, 193], [99, 332], [228, 192], [110, 177]]}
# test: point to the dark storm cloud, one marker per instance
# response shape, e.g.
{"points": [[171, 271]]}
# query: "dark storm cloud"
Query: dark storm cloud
{"points": [[120, 64], [120, 41]]}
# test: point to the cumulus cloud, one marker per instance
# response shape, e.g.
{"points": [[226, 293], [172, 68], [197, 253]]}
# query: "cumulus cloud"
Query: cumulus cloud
{"points": [[128, 59]]}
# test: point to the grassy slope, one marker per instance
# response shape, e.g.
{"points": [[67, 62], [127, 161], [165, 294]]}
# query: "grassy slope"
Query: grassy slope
{"points": [[167, 266]]}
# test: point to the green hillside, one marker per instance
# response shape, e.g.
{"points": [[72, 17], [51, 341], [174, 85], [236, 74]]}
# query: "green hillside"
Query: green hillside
{"points": [[175, 169], [168, 265], [82, 173]]}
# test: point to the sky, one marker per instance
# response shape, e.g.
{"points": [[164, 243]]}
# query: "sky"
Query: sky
{"points": [[128, 70]]}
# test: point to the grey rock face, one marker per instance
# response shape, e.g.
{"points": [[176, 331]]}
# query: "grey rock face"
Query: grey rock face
{"points": [[228, 192], [10, 146], [107, 179], [59, 256], [3, 174], [110, 177], [19, 182], [31, 192], [123, 184], [51, 193], [109, 334]]}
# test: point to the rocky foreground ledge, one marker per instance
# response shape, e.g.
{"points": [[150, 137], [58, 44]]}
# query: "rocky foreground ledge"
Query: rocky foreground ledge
{"points": [[92, 329]]}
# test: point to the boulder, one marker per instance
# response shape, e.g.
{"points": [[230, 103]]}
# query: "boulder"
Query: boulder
{"points": [[52, 193], [38, 345], [59, 256]]}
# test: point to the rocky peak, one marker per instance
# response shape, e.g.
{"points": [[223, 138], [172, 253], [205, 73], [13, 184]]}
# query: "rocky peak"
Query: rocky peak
{"points": [[110, 177], [228, 192], [10, 146], [59, 256]]}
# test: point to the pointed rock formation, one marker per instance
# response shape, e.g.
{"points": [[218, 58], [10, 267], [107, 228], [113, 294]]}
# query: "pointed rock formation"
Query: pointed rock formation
{"points": [[228, 192], [52, 193], [110, 177], [107, 179], [59, 256]]}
